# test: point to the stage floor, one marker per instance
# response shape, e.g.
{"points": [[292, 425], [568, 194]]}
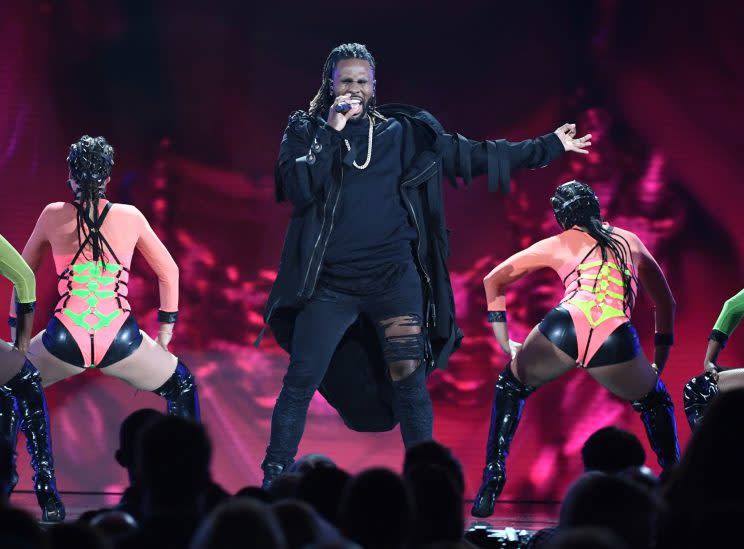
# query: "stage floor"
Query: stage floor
{"points": [[518, 515]]}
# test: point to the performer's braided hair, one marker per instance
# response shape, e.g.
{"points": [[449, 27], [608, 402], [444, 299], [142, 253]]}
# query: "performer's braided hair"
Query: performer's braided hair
{"points": [[90, 162], [575, 204], [324, 98]]}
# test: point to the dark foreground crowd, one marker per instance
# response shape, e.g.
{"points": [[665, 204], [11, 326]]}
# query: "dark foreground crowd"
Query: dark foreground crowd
{"points": [[617, 503]]}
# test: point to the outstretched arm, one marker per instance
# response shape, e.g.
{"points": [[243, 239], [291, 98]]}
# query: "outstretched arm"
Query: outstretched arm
{"points": [[653, 280], [161, 261], [729, 318], [533, 258], [466, 158], [15, 269]]}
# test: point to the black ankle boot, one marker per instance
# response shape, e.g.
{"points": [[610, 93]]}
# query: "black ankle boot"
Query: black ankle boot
{"points": [[34, 416], [10, 423], [508, 401], [697, 395], [657, 414], [272, 471], [181, 394]]}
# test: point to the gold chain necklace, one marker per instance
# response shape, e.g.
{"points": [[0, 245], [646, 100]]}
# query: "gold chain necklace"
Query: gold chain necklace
{"points": [[369, 146]]}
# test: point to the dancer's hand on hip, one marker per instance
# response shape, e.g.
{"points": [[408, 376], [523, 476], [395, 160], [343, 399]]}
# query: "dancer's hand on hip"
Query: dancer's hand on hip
{"points": [[712, 369], [567, 135], [165, 334], [514, 348]]}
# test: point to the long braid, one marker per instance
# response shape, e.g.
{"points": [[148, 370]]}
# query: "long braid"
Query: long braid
{"points": [[90, 162], [321, 103], [575, 204]]}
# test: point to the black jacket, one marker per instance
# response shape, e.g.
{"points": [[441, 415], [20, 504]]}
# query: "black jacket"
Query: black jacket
{"points": [[310, 172]]}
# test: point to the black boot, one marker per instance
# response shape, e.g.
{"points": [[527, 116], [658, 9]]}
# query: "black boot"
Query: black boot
{"points": [[9, 425], [32, 409], [657, 414], [697, 395], [272, 470], [181, 394], [508, 401]]}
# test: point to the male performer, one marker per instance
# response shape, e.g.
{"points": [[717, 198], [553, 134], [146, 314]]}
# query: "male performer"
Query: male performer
{"points": [[362, 301]]}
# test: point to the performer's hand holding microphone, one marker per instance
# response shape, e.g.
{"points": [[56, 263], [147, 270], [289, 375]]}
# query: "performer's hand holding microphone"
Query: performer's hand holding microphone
{"points": [[344, 107]]}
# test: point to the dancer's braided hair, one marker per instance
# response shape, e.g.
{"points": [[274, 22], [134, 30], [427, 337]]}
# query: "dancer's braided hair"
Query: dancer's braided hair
{"points": [[575, 205], [90, 162]]}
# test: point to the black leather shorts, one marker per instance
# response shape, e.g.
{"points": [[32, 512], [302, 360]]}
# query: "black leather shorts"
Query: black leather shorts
{"points": [[59, 341], [622, 344]]}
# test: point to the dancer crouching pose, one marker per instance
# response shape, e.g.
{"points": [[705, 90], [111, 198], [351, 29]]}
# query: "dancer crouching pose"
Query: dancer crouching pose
{"points": [[92, 242], [601, 267], [700, 390], [22, 401]]}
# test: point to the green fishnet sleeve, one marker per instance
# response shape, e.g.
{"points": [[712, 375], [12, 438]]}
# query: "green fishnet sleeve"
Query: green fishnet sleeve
{"points": [[15, 269], [728, 320]]}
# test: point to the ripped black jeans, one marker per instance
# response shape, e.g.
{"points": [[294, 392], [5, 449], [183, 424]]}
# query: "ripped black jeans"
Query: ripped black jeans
{"points": [[396, 312]]}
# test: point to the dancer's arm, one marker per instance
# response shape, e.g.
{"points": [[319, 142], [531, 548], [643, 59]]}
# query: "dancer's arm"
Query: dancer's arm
{"points": [[535, 257], [729, 318], [161, 261], [653, 280], [466, 158], [15, 269]]}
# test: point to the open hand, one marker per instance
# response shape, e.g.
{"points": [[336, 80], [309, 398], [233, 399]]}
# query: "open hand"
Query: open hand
{"points": [[567, 135]]}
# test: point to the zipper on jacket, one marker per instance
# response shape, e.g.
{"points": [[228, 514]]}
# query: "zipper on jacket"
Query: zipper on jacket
{"points": [[408, 183], [330, 230]]}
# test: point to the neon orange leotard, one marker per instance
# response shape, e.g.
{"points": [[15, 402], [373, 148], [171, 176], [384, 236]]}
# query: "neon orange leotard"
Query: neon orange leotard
{"points": [[593, 289], [93, 302]]}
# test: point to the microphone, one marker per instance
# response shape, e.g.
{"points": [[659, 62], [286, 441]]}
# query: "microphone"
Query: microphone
{"points": [[345, 107]]}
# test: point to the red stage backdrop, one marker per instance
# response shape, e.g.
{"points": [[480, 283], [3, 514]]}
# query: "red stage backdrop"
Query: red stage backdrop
{"points": [[194, 97]]}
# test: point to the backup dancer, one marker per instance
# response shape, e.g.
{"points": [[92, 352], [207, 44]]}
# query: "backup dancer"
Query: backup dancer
{"points": [[601, 267]]}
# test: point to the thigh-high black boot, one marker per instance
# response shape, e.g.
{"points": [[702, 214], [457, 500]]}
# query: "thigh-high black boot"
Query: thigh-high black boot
{"points": [[10, 423], [508, 401], [181, 394], [26, 387], [697, 395], [657, 414]]}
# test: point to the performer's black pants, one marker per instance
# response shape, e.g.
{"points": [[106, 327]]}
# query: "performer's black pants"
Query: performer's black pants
{"points": [[396, 312]]}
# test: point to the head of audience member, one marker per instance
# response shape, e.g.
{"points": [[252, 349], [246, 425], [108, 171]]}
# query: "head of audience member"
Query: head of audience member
{"points": [[611, 450], [172, 461], [113, 524], [285, 487], [130, 429], [19, 529], [710, 471], [298, 522], [609, 501], [7, 460], [79, 535], [322, 489], [431, 452], [377, 510], [438, 506], [309, 462], [586, 538], [239, 523], [254, 492]]}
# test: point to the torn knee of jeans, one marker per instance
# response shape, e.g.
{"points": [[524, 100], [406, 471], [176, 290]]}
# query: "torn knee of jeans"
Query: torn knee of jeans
{"points": [[402, 369], [401, 325]]}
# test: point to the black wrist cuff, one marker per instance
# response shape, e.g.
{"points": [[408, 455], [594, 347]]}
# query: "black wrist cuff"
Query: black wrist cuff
{"points": [[12, 321], [167, 317], [25, 308], [664, 339], [496, 316], [719, 336]]}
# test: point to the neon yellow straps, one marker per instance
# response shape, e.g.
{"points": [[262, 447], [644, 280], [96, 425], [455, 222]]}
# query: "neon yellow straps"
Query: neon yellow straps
{"points": [[91, 276], [608, 273]]}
